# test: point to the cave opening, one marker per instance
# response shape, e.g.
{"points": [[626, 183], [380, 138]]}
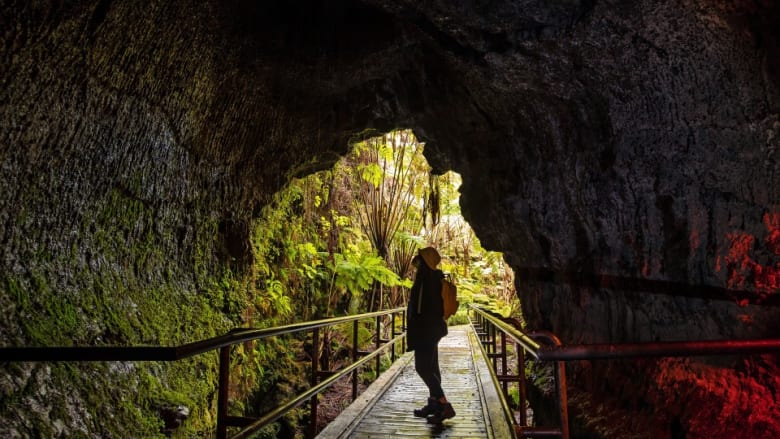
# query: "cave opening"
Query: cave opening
{"points": [[325, 233], [629, 146], [381, 198]]}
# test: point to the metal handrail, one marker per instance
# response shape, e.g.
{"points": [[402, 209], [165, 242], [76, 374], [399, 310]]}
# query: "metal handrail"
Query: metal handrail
{"points": [[223, 343], [281, 410], [602, 351], [529, 344], [554, 350], [173, 353], [502, 398]]}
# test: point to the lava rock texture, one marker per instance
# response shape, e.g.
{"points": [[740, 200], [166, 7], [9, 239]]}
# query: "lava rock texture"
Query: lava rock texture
{"points": [[623, 155]]}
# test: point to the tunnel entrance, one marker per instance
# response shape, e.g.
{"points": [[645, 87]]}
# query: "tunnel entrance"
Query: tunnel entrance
{"points": [[351, 231], [340, 241]]}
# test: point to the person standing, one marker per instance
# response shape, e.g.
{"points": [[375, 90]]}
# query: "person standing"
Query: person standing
{"points": [[425, 327]]}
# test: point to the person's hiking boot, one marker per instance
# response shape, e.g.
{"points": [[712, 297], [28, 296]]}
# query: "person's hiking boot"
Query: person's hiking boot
{"points": [[443, 411], [429, 409]]}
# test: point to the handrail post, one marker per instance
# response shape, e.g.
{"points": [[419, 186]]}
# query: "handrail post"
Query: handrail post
{"points": [[503, 363], [392, 336], [222, 395], [494, 345], [378, 343], [354, 358], [560, 378], [315, 353], [521, 391], [325, 353], [403, 326], [559, 372]]}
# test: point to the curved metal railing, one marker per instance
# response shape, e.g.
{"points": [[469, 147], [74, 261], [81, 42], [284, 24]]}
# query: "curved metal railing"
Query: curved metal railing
{"points": [[489, 326], [545, 346], [223, 343]]}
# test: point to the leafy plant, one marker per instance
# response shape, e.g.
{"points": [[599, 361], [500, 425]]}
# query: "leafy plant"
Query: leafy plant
{"points": [[355, 272], [341, 242]]}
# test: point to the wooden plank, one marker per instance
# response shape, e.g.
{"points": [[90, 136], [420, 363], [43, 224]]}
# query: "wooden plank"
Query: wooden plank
{"points": [[385, 410], [348, 419]]}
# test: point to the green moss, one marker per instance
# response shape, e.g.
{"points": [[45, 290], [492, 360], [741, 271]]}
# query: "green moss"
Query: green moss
{"points": [[15, 291], [122, 288]]}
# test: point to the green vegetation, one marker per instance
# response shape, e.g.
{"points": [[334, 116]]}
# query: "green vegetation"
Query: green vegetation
{"points": [[341, 242], [99, 297], [333, 243]]}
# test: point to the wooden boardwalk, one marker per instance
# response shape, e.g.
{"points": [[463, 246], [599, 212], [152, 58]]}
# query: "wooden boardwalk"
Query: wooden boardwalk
{"points": [[385, 408]]}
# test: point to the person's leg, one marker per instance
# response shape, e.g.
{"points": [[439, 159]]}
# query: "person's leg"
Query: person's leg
{"points": [[436, 369], [440, 408], [426, 363]]}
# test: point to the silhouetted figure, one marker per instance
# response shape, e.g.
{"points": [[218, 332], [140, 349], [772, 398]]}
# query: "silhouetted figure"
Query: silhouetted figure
{"points": [[425, 327]]}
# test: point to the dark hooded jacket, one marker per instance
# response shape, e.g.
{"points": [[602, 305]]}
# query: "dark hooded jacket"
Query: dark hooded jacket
{"points": [[425, 324]]}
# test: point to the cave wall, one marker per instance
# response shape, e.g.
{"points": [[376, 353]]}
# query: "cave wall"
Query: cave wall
{"points": [[627, 139]]}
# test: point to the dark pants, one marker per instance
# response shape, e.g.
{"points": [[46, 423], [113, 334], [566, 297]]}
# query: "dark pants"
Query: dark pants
{"points": [[426, 363]]}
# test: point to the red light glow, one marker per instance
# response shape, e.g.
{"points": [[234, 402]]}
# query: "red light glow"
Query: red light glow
{"points": [[743, 270]]}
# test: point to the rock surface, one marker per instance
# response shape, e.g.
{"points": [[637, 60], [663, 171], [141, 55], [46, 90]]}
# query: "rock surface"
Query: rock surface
{"points": [[596, 140]]}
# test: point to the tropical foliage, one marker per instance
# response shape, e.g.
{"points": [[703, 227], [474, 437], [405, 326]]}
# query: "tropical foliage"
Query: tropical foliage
{"points": [[341, 242]]}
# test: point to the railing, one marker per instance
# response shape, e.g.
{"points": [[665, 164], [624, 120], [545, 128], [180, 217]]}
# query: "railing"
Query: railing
{"points": [[487, 325], [224, 343]]}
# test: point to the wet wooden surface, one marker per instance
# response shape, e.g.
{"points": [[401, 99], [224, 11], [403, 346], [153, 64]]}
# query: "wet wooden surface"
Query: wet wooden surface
{"points": [[385, 409]]}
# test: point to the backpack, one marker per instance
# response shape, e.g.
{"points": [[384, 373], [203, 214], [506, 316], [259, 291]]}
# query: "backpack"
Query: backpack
{"points": [[449, 295]]}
